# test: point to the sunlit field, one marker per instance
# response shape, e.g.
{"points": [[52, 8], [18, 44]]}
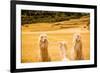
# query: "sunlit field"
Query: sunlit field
{"points": [[56, 32]]}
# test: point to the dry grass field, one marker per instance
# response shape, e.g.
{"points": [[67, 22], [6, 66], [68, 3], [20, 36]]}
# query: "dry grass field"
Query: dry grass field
{"points": [[56, 32]]}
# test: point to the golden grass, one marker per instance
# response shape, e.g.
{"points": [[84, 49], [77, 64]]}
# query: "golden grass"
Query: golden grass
{"points": [[30, 45]]}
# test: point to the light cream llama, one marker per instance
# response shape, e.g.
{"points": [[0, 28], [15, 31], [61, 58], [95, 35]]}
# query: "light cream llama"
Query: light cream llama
{"points": [[63, 51]]}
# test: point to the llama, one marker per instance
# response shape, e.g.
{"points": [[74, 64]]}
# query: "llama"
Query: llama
{"points": [[77, 47], [63, 48], [43, 44]]}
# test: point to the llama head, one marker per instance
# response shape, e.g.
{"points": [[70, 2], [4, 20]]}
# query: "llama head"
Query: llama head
{"points": [[62, 44], [43, 37], [77, 37]]}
